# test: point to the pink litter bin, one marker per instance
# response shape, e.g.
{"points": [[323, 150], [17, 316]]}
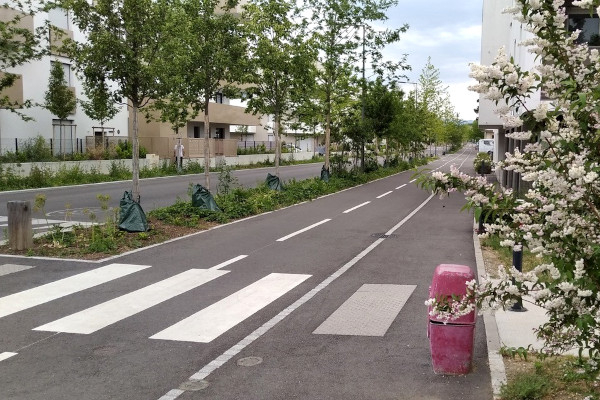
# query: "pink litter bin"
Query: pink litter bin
{"points": [[451, 342]]}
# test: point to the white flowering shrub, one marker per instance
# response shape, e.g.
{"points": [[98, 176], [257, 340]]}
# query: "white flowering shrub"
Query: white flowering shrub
{"points": [[558, 218]]}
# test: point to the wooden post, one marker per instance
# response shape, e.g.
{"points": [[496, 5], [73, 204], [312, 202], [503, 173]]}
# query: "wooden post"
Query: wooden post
{"points": [[20, 232]]}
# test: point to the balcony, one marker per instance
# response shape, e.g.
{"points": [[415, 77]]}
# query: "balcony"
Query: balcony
{"points": [[57, 38], [14, 93]]}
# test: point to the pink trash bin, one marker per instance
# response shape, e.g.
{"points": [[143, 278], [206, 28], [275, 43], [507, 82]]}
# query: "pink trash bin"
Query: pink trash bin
{"points": [[451, 343]]}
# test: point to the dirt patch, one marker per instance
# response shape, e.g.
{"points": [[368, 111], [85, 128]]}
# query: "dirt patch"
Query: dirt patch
{"points": [[492, 261]]}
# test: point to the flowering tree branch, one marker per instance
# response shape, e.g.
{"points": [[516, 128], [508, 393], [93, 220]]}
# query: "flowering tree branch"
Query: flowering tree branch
{"points": [[558, 217]]}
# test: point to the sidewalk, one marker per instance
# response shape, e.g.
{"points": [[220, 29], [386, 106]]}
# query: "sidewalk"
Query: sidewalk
{"points": [[507, 328]]}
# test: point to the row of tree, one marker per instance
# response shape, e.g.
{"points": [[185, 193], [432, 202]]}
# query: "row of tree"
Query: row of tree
{"points": [[318, 64]]}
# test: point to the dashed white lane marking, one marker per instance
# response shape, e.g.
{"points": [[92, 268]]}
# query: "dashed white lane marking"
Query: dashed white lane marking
{"points": [[228, 262], [107, 313], [355, 207], [241, 345], [51, 291], [385, 194], [172, 394], [401, 186], [411, 181], [216, 319], [303, 230], [6, 269], [6, 355], [368, 312]]}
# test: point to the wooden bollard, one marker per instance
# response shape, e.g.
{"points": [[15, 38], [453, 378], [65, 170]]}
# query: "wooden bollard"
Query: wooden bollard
{"points": [[20, 231]]}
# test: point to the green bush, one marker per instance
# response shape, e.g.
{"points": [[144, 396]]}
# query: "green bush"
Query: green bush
{"points": [[482, 163], [529, 386], [124, 150]]}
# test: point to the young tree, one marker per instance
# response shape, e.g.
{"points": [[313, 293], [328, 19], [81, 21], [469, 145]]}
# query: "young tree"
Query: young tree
{"points": [[435, 102], [59, 99], [558, 218], [124, 43], [281, 61], [101, 105], [380, 104], [216, 49], [337, 39]]}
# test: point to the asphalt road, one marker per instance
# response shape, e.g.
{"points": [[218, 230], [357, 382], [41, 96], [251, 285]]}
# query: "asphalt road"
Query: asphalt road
{"points": [[322, 300], [73, 203]]}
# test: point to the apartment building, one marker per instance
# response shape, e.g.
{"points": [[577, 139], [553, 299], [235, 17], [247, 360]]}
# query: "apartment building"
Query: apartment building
{"points": [[230, 124], [32, 85], [501, 30]]}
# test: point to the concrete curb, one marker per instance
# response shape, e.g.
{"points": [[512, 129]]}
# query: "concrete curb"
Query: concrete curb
{"points": [[497, 371]]}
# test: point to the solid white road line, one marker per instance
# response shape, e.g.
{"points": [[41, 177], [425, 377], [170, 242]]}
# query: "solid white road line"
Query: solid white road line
{"points": [[303, 230], [385, 194], [228, 262], [51, 291], [355, 207], [401, 186], [107, 313], [214, 320], [6, 354]]}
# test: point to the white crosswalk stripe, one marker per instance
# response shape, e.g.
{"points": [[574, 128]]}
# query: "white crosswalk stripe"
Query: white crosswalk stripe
{"points": [[51, 291], [203, 326], [102, 315], [214, 320]]}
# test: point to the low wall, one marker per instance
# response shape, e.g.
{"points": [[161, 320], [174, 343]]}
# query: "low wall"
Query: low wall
{"points": [[103, 166]]}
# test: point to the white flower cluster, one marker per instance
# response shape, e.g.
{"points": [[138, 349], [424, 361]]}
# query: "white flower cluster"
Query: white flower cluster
{"points": [[558, 217]]}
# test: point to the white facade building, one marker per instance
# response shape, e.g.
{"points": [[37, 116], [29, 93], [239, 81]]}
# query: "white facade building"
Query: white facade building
{"points": [[501, 30], [33, 84]]}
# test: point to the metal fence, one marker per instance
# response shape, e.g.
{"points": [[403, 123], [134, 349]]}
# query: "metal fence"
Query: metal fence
{"points": [[56, 147], [252, 144]]}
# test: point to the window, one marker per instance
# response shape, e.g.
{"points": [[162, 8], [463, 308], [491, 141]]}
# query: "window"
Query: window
{"points": [[59, 18], [219, 133], [66, 72], [219, 98], [589, 27]]}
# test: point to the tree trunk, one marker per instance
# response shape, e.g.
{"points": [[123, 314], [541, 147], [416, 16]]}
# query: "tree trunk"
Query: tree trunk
{"points": [[206, 144], [277, 145], [135, 156], [327, 139]]}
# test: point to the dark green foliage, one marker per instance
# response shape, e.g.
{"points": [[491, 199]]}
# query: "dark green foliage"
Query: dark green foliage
{"points": [[243, 202], [59, 99], [529, 386], [124, 150]]}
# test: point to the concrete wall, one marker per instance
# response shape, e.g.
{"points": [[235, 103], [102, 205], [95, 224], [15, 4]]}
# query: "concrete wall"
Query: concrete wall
{"points": [[103, 166]]}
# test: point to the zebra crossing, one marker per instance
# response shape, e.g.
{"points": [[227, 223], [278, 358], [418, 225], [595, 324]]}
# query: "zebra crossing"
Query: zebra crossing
{"points": [[201, 327]]}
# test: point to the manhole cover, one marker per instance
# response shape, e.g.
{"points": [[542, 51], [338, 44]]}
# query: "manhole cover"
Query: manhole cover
{"points": [[194, 385], [249, 361], [384, 236]]}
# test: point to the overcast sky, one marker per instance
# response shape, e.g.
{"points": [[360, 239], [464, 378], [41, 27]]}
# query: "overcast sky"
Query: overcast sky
{"points": [[449, 32]]}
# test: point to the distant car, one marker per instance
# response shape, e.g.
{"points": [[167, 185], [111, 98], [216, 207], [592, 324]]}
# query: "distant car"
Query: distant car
{"points": [[486, 146], [321, 150]]}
